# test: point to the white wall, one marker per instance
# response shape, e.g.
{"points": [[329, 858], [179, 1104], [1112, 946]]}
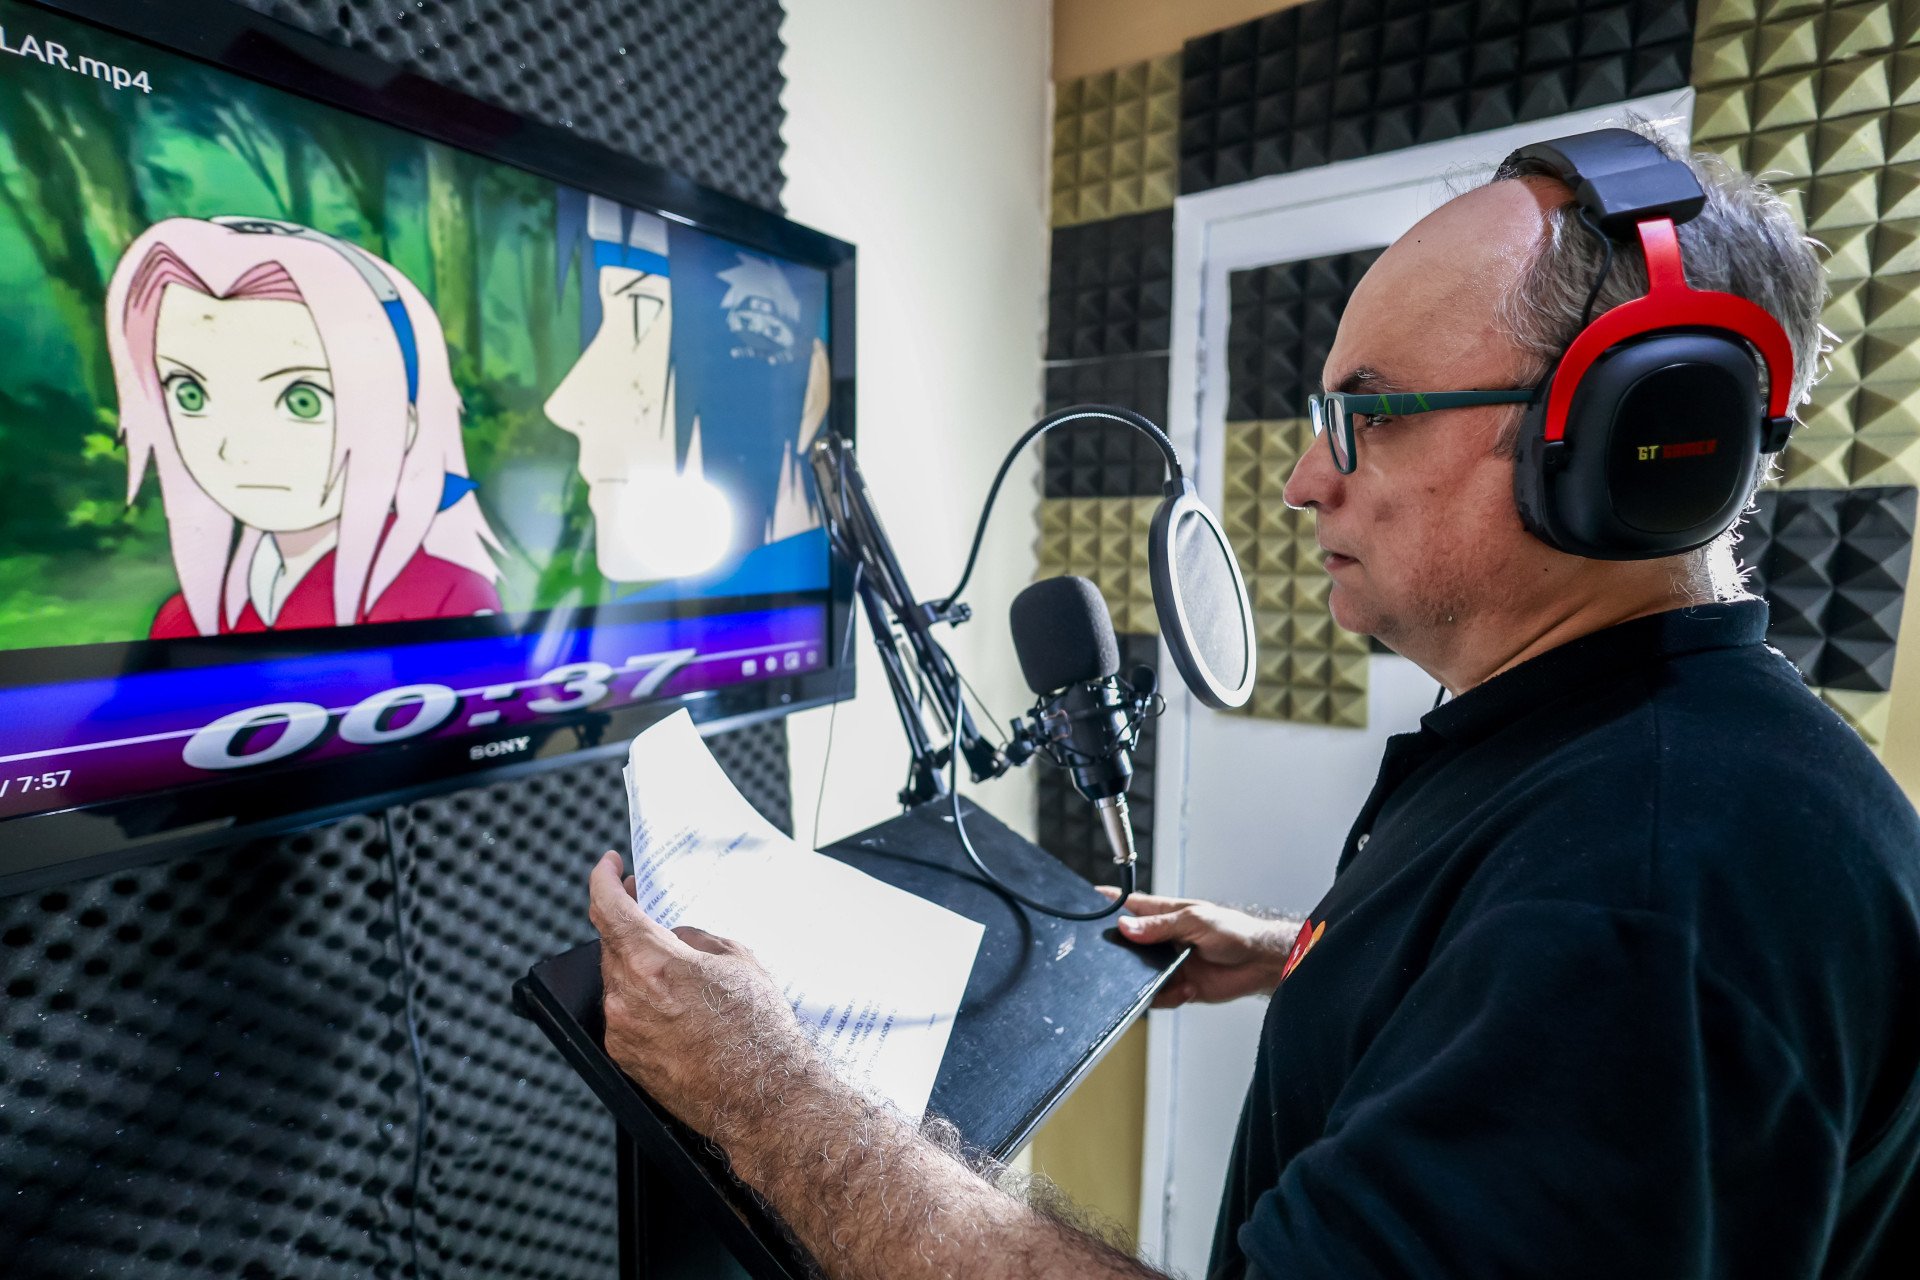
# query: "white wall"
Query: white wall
{"points": [[919, 132]]}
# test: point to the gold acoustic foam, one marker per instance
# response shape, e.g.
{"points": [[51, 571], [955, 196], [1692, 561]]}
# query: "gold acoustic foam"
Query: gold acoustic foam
{"points": [[1116, 142], [1823, 100]]}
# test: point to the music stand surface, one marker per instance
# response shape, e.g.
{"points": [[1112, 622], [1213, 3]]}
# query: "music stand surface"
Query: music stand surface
{"points": [[1046, 1000]]}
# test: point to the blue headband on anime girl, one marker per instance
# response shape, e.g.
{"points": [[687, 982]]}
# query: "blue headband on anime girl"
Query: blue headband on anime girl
{"points": [[453, 487], [362, 262]]}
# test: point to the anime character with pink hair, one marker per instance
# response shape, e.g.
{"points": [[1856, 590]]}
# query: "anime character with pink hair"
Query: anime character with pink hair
{"points": [[294, 386]]}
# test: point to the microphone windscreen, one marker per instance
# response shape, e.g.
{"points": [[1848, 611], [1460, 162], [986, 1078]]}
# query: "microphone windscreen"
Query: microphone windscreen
{"points": [[1200, 598], [1063, 634]]}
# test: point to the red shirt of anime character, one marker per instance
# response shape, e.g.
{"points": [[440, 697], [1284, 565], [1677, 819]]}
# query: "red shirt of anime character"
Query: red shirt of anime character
{"points": [[428, 587]]}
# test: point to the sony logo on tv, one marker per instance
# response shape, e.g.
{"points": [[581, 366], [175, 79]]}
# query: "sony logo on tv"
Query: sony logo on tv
{"points": [[504, 747]]}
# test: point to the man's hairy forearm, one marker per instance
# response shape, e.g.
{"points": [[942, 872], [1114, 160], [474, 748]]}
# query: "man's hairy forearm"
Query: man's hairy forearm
{"points": [[872, 1199]]}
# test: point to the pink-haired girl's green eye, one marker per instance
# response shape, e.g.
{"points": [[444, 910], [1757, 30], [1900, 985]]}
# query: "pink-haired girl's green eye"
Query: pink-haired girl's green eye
{"points": [[304, 400], [189, 394]]}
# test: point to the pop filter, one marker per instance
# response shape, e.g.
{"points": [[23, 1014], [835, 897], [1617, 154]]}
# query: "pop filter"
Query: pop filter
{"points": [[1199, 593], [1201, 599]]}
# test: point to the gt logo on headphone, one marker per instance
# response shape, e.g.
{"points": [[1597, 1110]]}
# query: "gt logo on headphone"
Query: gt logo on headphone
{"points": [[1685, 449]]}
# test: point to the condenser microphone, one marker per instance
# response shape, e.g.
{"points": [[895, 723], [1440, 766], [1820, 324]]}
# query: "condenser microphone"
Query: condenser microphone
{"points": [[1086, 718]]}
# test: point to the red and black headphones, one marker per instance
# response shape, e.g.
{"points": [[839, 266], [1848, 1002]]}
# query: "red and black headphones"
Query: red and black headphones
{"points": [[1645, 437]]}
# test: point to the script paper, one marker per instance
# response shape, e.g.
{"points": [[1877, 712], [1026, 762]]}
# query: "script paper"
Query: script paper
{"points": [[874, 973]]}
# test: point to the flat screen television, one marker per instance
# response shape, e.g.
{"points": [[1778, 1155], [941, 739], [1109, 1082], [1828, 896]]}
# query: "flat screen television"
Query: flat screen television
{"points": [[359, 438]]}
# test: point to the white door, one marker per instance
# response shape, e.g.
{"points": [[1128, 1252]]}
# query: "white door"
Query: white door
{"points": [[1259, 808]]}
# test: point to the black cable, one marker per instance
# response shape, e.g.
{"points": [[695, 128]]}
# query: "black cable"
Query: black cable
{"points": [[1606, 266], [1073, 413], [846, 652], [413, 1039], [973, 855], [986, 711]]}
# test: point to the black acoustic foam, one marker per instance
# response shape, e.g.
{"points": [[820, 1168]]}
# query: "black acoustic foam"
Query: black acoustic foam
{"points": [[206, 1070], [693, 85], [1282, 322], [1832, 564], [1338, 79], [1110, 288], [1103, 459], [1109, 299]]}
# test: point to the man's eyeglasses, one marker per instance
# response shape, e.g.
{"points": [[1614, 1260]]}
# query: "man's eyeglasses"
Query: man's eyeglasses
{"points": [[1335, 414]]}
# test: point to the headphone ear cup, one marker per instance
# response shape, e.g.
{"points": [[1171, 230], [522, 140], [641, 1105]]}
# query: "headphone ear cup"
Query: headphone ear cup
{"points": [[1659, 451]]}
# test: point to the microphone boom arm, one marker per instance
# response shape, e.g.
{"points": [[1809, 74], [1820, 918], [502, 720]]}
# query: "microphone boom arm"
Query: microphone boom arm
{"points": [[924, 673]]}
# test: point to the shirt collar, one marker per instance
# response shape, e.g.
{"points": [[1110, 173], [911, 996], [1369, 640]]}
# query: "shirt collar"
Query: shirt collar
{"points": [[1593, 658]]}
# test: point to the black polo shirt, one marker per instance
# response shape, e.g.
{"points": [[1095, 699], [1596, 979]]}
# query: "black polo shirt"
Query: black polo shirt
{"points": [[1619, 975]]}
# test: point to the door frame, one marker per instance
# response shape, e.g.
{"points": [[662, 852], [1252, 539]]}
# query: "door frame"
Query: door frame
{"points": [[1214, 233]]}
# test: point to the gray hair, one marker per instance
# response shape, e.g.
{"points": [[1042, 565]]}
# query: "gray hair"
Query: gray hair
{"points": [[1746, 242]]}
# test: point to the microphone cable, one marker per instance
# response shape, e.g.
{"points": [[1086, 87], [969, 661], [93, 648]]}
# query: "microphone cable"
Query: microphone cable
{"points": [[840, 693], [973, 855]]}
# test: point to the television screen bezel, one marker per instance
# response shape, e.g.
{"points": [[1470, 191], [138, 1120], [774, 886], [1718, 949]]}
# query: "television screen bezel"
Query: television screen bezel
{"points": [[45, 848]]}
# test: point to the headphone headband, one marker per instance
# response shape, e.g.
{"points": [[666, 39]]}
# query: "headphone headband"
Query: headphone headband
{"points": [[1645, 438], [1621, 178], [1670, 303], [1632, 188]]}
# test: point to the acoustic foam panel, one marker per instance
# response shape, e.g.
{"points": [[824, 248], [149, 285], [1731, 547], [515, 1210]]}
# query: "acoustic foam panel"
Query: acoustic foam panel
{"points": [[1282, 322], [1308, 669], [1110, 287], [1110, 291], [1832, 564], [207, 1070], [1102, 459], [1116, 141], [1338, 79], [1825, 100], [1105, 540], [1068, 827], [693, 85]]}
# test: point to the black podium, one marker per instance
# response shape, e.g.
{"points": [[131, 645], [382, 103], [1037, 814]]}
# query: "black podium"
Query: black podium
{"points": [[1047, 998]]}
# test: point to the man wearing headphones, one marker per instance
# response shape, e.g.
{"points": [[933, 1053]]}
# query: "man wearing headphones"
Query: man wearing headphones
{"points": [[1620, 967]]}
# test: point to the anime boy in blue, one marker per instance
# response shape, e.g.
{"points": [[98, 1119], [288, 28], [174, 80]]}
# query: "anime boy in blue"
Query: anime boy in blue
{"points": [[702, 380]]}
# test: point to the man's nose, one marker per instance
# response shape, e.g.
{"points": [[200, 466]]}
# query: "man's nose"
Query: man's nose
{"points": [[1315, 481]]}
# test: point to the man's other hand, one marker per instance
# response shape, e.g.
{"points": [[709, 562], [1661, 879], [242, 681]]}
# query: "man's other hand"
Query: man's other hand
{"points": [[692, 1018], [1235, 953]]}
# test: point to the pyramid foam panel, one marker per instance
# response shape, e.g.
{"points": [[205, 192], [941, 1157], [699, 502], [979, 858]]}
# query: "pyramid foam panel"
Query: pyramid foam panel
{"points": [[1283, 320], [693, 85], [1338, 79], [1309, 669], [1068, 827], [1868, 714], [1825, 99], [207, 1068], [1103, 539], [1116, 141], [1138, 383], [1103, 459], [1832, 565], [1110, 288]]}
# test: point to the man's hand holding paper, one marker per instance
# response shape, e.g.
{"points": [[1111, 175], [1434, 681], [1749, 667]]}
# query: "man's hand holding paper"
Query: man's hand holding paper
{"points": [[712, 878]]}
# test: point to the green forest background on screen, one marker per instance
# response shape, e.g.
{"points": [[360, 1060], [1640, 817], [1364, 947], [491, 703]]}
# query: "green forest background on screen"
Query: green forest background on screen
{"points": [[84, 169]]}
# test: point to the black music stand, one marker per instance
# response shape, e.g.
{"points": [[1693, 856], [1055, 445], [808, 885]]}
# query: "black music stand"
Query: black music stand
{"points": [[1046, 1000]]}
